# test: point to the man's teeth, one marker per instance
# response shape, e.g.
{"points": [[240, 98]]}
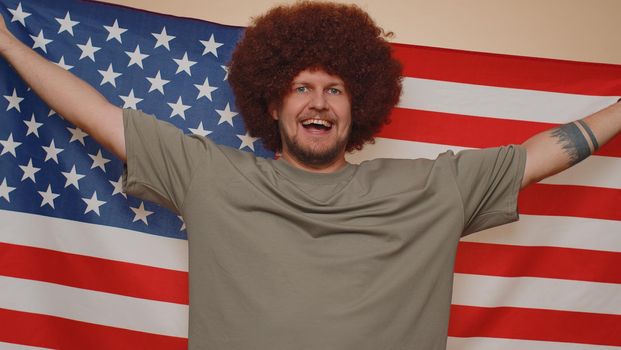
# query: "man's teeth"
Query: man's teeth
{"points": [[322, 122]]}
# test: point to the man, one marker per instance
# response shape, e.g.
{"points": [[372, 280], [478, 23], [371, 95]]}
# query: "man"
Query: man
{"points": [[308, 251]]}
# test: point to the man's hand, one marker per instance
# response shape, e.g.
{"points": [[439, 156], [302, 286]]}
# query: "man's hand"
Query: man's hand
{"points": [[68, 95], [3, 29], [555, 150], [6, 37]]}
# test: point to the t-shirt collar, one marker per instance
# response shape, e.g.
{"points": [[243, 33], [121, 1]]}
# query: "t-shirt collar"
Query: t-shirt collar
{"points": [[297, 174]]}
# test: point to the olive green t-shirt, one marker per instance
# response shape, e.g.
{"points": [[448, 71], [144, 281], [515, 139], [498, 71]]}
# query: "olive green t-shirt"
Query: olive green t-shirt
{"points": [[284, 259]]}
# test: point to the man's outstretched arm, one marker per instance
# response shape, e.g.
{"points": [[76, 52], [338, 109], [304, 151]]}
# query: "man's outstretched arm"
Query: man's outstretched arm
{"points": [[69, 96], [557, 149]]}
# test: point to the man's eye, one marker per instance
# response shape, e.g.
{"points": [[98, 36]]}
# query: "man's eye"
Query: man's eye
{"points": [[301, 89], [334, 91]]}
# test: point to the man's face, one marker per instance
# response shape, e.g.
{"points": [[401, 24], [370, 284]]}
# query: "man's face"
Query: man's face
{"points": [[314, 120]]}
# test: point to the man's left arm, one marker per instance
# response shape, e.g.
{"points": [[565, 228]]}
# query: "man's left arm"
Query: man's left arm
{"points": [[555, 150]]}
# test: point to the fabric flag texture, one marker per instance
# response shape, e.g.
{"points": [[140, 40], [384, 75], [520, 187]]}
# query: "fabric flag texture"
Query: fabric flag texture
{"points": [[83, 266]]}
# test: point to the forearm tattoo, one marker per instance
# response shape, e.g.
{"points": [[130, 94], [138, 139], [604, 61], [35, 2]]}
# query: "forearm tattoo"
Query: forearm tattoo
{"points": [[574, 142], [590, 133]]}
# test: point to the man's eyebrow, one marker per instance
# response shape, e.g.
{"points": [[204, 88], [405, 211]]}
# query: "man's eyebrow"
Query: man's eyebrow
{"points": [[305, 82]]}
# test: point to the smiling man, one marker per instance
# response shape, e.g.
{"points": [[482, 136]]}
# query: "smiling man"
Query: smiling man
{"points": [[308, 251], [314, 120]]}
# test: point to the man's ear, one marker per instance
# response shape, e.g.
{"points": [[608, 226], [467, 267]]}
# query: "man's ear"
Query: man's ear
{"points": [[272, 108]]}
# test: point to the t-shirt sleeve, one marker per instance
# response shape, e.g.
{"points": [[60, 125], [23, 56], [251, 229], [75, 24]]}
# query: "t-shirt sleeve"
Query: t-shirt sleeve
{"points": [[489, 181], [160, 159]]}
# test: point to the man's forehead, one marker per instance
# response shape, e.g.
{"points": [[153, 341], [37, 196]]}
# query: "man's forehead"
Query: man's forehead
{"points": [[317, 75]]}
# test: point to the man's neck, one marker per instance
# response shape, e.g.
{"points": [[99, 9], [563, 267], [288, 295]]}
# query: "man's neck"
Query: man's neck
{"points": [[332, 167]]}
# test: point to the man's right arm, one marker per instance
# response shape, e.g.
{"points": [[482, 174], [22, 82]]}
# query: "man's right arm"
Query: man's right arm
{"points": [[69, 96]]}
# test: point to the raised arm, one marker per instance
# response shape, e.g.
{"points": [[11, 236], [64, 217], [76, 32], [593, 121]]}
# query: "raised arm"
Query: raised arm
{"points": [[555, 150], [69, 96]]}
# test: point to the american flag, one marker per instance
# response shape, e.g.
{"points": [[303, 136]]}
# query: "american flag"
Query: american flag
{"points": [[82, 266]]}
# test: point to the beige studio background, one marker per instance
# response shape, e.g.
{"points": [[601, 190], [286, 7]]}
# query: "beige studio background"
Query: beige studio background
{"points": [[583, 30]]}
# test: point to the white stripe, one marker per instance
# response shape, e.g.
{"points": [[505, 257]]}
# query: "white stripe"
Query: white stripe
{"points": [[392, 148], [555, 231], [10, 346], [537, 293], [476, 343], [401, 149], [498, 102], [94, 307], [595, 171], [93, 240]]}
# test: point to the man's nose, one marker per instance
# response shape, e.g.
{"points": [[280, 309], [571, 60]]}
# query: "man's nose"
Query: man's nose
{"points": [[318, 100]]}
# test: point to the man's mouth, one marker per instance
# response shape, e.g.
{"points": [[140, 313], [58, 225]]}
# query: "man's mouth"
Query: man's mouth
{"points": [[317, 124]]}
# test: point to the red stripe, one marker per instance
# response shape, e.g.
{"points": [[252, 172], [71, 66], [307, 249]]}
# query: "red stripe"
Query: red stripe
{"points": [[535, 324], [469, 131], [60, 333], [547, 262], [93, 273], [569, 200], [510, 71]]}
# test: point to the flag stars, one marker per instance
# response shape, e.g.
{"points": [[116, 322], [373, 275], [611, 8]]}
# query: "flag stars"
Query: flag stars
{"points": [[48, 197], [141, 213], [130, 100], [114, 31], [9, 146], [66, 24], [93, 204], [211, 46], [178, 108], [61, 63], [157, 83], [163, 39], [51, 152], [200, 130], [99, 161], [72, 178], [184, 64], [247, 141], [226, 115], [33, 126], [136, 57], [226, 72], [182, 223], [29, 171], [88, 50], [118, 187], [5, 189], [109, 76], [19, 15], [77, 134], [205, 90], [40, 41], [14, 101]]}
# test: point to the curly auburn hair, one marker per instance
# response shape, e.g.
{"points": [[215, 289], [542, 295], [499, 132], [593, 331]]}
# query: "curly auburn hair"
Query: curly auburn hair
{"points": [[340, 39]]}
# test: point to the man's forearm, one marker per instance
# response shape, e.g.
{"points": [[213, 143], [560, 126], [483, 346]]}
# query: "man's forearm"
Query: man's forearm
{"points": [[69, 96], [555, 150]]}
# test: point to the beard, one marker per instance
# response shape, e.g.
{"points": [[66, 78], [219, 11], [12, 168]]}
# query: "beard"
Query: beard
{"points": [[313, 155]]}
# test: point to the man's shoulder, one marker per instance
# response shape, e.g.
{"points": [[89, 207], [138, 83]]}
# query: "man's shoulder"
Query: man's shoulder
{"points": [[401, 164], [439, 166]]}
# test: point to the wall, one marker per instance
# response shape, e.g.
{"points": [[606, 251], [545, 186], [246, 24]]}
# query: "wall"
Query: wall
{"points": [[585, 30]]}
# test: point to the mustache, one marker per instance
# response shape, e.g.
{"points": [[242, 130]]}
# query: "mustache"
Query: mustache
{"points": [[322, 116]]}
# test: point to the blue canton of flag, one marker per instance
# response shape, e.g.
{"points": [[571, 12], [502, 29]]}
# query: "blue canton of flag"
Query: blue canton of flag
{"points": [[175, 69]]}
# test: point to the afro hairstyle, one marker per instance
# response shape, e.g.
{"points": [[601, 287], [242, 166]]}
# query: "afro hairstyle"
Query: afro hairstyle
{"points": [[340, 39]]}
